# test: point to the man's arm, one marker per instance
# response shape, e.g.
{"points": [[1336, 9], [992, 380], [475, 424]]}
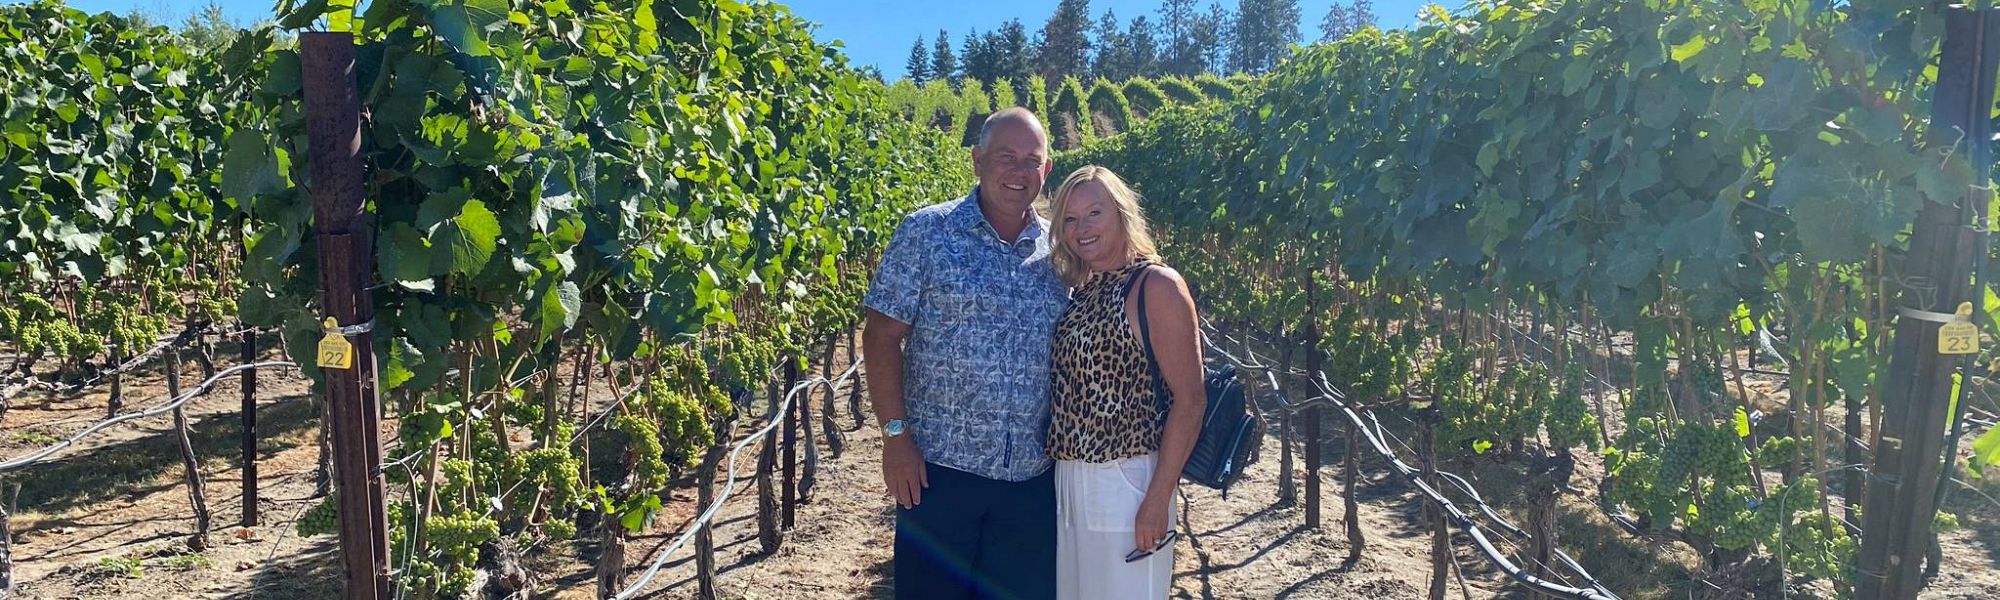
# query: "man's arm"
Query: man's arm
{"points": [[902, 464]]}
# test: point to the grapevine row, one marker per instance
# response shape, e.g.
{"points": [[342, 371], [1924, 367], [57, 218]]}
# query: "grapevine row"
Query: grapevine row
{"points": [[1689, 173]]}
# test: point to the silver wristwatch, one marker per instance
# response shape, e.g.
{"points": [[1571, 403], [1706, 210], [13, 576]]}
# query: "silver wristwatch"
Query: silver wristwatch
{"points": [[894, 428]]}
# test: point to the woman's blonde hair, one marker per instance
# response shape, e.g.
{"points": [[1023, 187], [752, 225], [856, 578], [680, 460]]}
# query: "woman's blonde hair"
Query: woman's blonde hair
{"points": [[1138, 241]]}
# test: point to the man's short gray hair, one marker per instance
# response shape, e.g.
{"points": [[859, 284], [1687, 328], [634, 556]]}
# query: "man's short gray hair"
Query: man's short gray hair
{"points": [[1012, 112]]}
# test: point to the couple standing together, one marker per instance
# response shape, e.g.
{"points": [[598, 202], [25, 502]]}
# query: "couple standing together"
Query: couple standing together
{"points": [[1023, 439]]}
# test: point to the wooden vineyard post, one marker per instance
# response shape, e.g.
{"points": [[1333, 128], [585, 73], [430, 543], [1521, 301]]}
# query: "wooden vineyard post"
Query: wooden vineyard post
{"points": [[854, 390], [6, 552], [704, 539], [1902, 486], [1313, 417], [197, 495], [249, 419], [1351, 515], [767, 462], [1427, 420], [809, 473], [1288, 485], [117, 400], [346, 258], [789, 491], [834, 441], [1312, 439], [1547, 476]]}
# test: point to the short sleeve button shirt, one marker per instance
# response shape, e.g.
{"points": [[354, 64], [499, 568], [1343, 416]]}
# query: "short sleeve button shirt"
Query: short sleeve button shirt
{"points": [[981, 312]]}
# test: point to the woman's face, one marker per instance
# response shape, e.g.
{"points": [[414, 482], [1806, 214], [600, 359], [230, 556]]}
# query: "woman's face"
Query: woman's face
{"points": [[1093, 229]]}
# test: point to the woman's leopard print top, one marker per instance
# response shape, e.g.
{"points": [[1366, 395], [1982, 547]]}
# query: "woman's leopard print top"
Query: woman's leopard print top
{"points": [[1101, 403]]}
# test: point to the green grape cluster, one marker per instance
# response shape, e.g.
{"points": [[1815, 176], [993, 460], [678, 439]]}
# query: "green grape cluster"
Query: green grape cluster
{"points": [[1677, 462], [214, 300], [559, 529], [36, 329], [456, 475], [1512, 407], [122, 318], [1721, 455], [451, 568], [1633, 476], [642, 441], [746, 361], [1706, 379], [1813, 543], [321, 518], [552, 469], [1372, 364], [10, 320], [461, 534], [1778, 451], [1451, 381], [1569, 421], [1730, 517], [1523, 404], [1945, 522], [1696, 450], [682, 422]]}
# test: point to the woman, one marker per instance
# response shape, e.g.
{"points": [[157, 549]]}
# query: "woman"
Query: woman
{"points": [[1118, 454]]}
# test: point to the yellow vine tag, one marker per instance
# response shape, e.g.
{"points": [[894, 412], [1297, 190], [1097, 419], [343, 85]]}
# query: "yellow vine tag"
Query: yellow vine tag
{"points": [[335, 352], [1961, 336]]}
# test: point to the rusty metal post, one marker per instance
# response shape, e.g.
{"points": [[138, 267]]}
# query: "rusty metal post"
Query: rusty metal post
{"points": [[346, 257]]}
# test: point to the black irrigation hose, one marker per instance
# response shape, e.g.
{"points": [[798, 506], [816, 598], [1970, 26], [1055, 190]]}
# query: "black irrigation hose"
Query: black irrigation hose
{"points": [[1466, 487], [1466, 523], [1332, 397], [31, 458]]}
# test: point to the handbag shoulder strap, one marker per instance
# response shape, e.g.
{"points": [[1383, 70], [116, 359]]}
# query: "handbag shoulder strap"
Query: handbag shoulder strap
{"points": [[1146, 333]]}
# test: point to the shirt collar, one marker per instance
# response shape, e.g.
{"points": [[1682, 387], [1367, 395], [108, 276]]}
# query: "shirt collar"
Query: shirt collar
{"points": [[968, 216]]}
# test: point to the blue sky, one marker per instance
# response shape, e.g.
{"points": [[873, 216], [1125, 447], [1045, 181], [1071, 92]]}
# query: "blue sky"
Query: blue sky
{"points": [[875, 32]]}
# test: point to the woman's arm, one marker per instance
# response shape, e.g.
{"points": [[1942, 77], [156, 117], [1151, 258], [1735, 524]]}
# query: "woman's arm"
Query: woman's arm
{"points": [[1176, 337]]}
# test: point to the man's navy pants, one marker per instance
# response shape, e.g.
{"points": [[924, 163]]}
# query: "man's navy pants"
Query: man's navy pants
{"points": [[976, 538]]}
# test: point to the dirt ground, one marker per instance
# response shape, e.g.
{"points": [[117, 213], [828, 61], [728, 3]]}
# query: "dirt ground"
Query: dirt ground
{"points": [[109, 519]]}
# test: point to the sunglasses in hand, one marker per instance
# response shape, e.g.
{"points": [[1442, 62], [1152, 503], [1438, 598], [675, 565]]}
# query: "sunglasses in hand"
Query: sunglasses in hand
{"points": [[1165, 541]]}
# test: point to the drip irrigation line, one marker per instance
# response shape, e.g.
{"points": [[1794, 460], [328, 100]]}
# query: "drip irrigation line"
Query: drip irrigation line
{"points": [[199, 390], [1331, 395], [1486, 509], [729, 486]]}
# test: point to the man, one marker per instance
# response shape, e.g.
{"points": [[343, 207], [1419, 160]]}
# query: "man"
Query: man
{"points": [[957, 347]]}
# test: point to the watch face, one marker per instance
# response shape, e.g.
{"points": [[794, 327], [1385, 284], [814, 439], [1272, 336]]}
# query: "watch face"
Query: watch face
{"points": [[893, 428]]}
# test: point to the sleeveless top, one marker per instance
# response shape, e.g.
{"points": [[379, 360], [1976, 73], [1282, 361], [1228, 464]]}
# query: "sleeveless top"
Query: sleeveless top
{"points": [[1101, 400]]}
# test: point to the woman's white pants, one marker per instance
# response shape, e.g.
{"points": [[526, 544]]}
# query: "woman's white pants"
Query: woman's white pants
{"points": [[1095, 507]]}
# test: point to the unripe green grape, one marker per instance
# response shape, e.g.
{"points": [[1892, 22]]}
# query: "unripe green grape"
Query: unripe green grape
{"points": [[320, 519]]}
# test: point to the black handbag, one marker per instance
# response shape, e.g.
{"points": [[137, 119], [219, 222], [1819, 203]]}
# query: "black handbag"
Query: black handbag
{"points": [[1231, 434]]}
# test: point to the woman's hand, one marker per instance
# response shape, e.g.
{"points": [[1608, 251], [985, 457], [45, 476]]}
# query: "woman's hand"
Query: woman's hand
{"points": [[1151, 524]]}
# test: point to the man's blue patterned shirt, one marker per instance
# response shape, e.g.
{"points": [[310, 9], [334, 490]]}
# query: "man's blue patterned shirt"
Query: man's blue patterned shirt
{"points": [[981, 312]]}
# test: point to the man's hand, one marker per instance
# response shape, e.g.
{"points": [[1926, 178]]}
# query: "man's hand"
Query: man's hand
{"points": [[1150, 524], [903, 470]]}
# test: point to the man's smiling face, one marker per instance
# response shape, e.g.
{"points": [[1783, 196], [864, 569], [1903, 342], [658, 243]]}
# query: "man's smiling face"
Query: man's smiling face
{"points": [[1012, 164]]}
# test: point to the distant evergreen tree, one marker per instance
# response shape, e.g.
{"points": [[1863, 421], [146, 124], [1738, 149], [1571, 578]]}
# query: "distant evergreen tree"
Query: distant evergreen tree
{"points": [[1263, 33], [1109, 58], [1343, 20], [919, 65], [1064, 47], [1013, 55], [976, 57], [944, 64]]}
